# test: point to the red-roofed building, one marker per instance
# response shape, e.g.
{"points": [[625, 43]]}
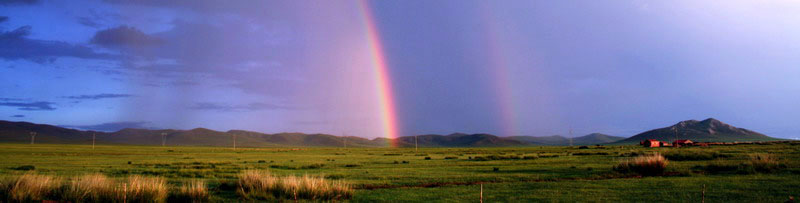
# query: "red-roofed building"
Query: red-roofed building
{"points": [[650, 143]]}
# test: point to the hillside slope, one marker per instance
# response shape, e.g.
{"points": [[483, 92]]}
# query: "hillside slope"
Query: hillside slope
{"points": [[458, 140], [558, 140], [709, 130], [19, 132]]}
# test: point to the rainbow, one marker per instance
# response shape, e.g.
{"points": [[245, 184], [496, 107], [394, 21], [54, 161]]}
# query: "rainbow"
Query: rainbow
{"points": [[384, 86], [498, 58]]}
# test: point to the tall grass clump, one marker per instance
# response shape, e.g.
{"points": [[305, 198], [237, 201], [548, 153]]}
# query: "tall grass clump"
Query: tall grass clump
{"points": [[317, 188], [262, 185], [193, 191], [32, 187], [646, 165], [90, 188], [765, 163], [144, 189], [257, 185]]}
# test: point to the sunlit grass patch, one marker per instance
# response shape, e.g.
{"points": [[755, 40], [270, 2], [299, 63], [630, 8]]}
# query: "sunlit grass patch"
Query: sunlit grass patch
{"points": [[31, 187], [90, 188], [145, 189], [264, 186], [646, 165], [192, 191]]}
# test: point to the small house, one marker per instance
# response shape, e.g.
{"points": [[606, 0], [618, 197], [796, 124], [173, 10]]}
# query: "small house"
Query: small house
{"points": [[650, 143]]}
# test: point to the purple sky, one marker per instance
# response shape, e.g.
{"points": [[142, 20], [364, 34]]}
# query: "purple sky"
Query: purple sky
{"points": [[502, 67]]}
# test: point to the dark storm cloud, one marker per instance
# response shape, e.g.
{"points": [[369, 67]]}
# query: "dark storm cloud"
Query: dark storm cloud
{"points": [[98, 96], [123, 36], [18, 2], [190, 50], [98, 18], [18, 116], [89, 22], [30, 106], [111, 127], [229, 107], [15, 44]]}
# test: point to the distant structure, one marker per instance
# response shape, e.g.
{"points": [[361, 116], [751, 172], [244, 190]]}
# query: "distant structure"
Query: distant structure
{"points": [[650, 143], [33, 137], [665, 144], [682, 143], [656, 143]]}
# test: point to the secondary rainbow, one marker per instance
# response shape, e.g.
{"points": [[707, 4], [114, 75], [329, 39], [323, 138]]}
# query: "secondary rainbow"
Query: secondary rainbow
{"points": [[384, 86]]}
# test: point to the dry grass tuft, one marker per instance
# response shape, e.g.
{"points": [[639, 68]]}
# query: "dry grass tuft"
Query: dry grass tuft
{"points": [[193, 191], [90, 188], [646, 165], [765, 162], [262, 185], [145, 189], [32, 187]]}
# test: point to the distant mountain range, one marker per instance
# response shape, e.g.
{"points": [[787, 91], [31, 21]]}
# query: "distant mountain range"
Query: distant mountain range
{"points": [[18, 132], [709, 130]]}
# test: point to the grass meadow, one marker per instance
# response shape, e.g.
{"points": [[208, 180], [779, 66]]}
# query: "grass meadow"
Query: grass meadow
{"points": [[731, 173]]}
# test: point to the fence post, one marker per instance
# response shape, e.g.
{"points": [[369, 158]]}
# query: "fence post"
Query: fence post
{"points": [[704, 194], [481, 193]]}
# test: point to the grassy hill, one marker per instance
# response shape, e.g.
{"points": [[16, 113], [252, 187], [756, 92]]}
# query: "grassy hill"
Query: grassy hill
{"points": [[18, 132], [558, 140], [542, 140], [709, 130], [595, 138], [458, 140]]}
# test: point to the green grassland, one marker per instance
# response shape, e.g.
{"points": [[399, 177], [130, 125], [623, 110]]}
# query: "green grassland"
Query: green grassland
{"points": [[450, 174]]}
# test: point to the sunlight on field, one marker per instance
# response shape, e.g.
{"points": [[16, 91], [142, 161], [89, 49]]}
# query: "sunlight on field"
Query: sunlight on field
{"points": [[758, 172]]}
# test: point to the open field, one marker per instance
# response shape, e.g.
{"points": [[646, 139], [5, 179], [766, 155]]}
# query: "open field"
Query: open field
{"points": [[728, 173]]}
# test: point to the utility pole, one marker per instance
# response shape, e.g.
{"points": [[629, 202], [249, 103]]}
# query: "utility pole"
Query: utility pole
{"points": [[570, 137], [33, 137], [416, 146], [94, 136], [676, 138], [163, 139], [344, 140], [234, 142]]}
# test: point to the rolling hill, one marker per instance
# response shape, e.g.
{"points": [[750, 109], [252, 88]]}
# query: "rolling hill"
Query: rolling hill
{"points": [[709, 130], [18, 132], [458, 140], [595, 138], [558, 140], [542, 140]]}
